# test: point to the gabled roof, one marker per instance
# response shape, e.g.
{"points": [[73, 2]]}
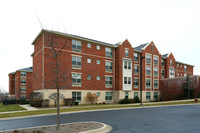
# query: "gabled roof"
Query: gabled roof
{"points": [[139, 48], [72, 36], [165, 55], [27, 69]]}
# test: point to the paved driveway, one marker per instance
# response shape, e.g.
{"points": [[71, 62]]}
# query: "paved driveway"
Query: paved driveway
{"points": [[173, 119]]}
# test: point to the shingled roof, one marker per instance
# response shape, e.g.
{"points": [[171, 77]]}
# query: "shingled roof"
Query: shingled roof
{"points": [[165, 55], [27, 69], [138, 48]]}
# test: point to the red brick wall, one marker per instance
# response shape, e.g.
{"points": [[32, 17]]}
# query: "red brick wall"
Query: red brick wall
{"points": [[171, 89], [155, 51], [11, 84], [18, 84], [181, 70], [65, 60], [120, 53]]}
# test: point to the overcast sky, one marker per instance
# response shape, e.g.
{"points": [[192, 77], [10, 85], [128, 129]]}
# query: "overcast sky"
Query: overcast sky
{"points": [[173, 25]]}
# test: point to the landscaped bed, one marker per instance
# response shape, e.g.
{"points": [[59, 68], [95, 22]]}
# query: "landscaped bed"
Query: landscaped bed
{"points": [[65, 128]]}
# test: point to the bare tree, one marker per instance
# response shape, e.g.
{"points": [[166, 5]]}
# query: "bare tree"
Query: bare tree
{"points": [[54, 51], [53, 96]]}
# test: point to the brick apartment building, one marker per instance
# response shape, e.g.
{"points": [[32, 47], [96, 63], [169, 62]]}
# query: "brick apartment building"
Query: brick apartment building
{"points": [[20, 83], [112, 71]]}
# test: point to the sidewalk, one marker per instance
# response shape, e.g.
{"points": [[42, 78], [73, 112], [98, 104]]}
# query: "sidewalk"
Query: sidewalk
{"points": [[30, 108]]}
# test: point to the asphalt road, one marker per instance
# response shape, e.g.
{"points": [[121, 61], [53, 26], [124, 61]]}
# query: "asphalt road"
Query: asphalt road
{"points": [[174, 119]]}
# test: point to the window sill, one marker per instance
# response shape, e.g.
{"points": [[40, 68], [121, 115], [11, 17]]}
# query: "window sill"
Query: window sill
{"points": [[76, 85], [76, 67], [76, 50], [108, 71], [108, 86]]}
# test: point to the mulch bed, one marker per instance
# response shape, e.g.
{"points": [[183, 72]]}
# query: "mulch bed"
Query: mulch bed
{"points": [[65, 128]]}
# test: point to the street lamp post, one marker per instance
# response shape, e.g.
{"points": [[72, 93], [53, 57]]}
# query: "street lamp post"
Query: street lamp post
{"points": [[141, 79]]}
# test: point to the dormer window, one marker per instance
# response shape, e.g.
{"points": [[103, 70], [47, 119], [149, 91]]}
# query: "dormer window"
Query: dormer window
{"points": [[126, 52]]}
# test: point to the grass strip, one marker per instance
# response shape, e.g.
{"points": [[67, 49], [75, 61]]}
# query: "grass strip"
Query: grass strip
{"points": [[50, 111], [11, 107]]}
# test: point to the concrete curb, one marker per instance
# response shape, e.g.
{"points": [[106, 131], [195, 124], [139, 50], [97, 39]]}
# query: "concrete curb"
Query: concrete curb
{"points": [[105, 129]]}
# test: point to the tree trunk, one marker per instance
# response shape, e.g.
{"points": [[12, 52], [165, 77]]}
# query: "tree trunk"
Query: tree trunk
{"points": [[58, 111]]}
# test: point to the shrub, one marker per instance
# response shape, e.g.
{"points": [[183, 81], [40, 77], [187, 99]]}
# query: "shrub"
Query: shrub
{"points": [[69, 101], [125, 101], [40, 103], [7, 102], [92, 98], [136, 100], [76, 103], [24, 102]]}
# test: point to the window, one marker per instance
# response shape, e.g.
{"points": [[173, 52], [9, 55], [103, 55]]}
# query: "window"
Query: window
{"points": [[98, 77], [89, 77], [171, 62], [181, 75], [23, 89], [185, 74], [148, 58], [76, 45], [148, 70], [155, 60], [23, 74], [155, 95], [126, 52], [136, 82], [76, 61], [23, 81], [22, 97], [171, 73], [162, 72], [155, 71], [155, 84], [108, 81], [136, 69], [177, 65], [89, 60], [177, 74], [125, 65], [181, 65], [108, 96], [129, 65], [125, 80], [185, 68], [162, 62], [129, 80], [108, 52], [98, 47], [76, 79], [98, 94], [135, 94], [98, 61], [126, 95], [148, 83], [76, 96], [89, 45], [108, 66], [136, 57], [148, 95], [89, 93]]}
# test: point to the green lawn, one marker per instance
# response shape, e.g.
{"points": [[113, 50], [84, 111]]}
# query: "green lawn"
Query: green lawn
{"points": [[12, 107], [82, 108]]}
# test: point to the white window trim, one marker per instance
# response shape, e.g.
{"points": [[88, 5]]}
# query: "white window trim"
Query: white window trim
{"points": [[150, 83], [153, 60], [138, 82], [146, 60], [138, 69], [153, 83]]}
